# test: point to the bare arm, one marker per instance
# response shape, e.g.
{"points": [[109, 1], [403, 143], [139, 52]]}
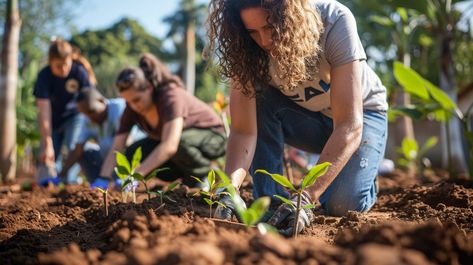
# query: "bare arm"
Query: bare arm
{"points": [[72, 158], [119, 143], [171, 135], [45, 127], [347, 110], [242, 140]]}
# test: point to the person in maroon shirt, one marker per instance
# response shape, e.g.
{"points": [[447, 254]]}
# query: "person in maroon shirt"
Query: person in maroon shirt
{"points": [[184, 134]]}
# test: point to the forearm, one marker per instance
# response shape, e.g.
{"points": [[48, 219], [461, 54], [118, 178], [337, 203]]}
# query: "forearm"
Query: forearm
{"points": [[156, 158], [240, 152], [339, 148], [44, 123], [72, 158], [110, 161]]}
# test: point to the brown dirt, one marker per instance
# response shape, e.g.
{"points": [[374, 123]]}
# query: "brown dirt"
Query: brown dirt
{"points": [[426, 221]]}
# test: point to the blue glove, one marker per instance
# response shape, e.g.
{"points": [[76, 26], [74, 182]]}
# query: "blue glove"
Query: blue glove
{"points": [[100, 182], [54, 180]]}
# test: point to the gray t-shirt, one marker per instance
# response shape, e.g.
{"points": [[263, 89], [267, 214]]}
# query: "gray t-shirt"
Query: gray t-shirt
{"points": [[340, 44]]}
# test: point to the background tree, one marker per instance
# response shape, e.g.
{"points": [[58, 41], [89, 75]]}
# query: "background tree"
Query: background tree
{"points": [[111, 49], [8, 83], [183, 24]]}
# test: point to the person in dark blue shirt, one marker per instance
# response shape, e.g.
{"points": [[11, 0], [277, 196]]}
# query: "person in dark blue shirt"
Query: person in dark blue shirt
{"points": [[59, 121]]}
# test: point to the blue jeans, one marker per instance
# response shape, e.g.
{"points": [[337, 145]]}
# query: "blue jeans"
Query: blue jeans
{"points": [[91, 161], [280, 121], [67, 134]]}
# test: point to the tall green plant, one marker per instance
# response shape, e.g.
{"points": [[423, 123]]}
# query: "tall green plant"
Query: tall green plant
{"points": [[308, 180], [412, 155], [432, 102]]}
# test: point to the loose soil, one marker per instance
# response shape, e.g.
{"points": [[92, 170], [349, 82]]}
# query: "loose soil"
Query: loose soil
{"points": [[415, 221]]}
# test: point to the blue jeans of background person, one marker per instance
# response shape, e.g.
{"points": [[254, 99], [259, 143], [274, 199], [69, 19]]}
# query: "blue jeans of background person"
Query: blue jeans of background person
{"points": [[67, 134], [91, 161], [280, 121]]}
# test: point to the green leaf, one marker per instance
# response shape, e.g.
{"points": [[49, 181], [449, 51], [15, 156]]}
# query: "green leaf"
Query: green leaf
{"points": [[411, 81], [440, 96], [431, 142], [409, 148], [136, 159], [240, 205], [383, 21], [286, 201], [211, 179], [155, 172], [246, 217], [265, 228], [123, 162], [411, 111], [172, 186], [221, 204], [208, 201], [225, 182], [259, 208], [279, 179], [308, 206], [204, 193], [402, 13], [198, 179], [138, 176], [315, 172], [126, 182], [121, 172]]}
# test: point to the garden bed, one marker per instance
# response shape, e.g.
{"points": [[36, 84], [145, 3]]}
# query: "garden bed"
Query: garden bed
{"points": [[413, 222]]}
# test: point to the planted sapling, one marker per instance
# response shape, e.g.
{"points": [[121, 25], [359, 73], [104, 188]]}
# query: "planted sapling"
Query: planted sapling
{"points": [[105, 199], [162, 193], [144, 180], [213, 186], [309, 180], [126, 172]]}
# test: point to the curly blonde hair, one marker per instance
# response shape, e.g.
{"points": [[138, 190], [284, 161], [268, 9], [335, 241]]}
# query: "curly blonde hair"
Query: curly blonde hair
{"points": [[296, 33]]}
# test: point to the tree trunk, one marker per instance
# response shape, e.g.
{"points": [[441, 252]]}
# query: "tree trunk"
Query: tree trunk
{"points": [[454, 157], [8, 85], [189, 70]]}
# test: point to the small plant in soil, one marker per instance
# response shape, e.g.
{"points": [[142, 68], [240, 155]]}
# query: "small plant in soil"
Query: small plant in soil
{"points": [[126, 172], [212, 192], [165, 190], [144, 180], [105, 199], [249, 216], [411, 154], [308, 180]]}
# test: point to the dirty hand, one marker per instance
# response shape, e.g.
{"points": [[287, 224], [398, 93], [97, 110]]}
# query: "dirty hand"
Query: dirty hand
{"points": [[229, 209], [284, 217]]}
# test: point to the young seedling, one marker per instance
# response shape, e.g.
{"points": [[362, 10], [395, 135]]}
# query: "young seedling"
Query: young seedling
{"points": [[126, 172], [105, 199], [162, 193], [144, 180], [212, 192], [248, 216], [309, 180]]}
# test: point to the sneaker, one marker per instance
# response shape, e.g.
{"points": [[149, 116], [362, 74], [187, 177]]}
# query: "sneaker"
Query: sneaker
{"points": [[54, 180], [100, 183]]}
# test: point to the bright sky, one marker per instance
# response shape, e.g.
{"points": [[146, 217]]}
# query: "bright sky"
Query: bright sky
{"points": [[100, 14]]}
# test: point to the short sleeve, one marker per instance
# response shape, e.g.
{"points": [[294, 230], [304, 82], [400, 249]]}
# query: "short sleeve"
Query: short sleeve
{"points": [[127, 121], [83, 77], [41, 87], [85, 132], [172, 104], [343, 44]]}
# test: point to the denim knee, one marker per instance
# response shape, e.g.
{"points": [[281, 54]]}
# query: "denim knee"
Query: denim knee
{"points": [[340, 205]]}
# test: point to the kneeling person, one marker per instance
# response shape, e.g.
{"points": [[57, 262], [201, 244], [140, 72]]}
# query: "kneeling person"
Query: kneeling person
{"points": [[183, 133], [103, 119]]}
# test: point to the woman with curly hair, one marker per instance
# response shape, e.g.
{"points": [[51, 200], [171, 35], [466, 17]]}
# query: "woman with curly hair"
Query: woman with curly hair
{"points": [[299, 76]]}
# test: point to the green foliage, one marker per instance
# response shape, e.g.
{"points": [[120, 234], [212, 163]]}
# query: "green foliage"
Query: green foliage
{"points": [[309, 180], [125, 170], [432, 100], [164, 191], [412, 154]]}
